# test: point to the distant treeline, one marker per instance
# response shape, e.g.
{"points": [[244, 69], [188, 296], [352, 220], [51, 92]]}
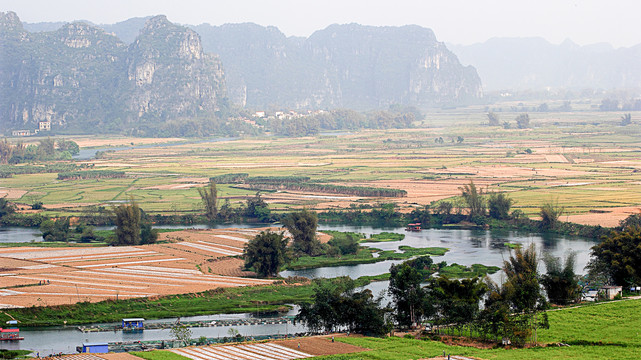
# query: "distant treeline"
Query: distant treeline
{"points": [[276, 180], [333, 189], [233, 178], [7, 171], [345, 119], [91, 174], [48, 149], [302, 183]]}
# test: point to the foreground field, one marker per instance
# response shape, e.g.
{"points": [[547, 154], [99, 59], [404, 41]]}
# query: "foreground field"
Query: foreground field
{"points": [[584, 160], [607, 330]]}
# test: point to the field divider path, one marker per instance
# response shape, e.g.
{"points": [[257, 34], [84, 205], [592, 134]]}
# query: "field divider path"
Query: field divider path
{"points": [[210, 249], [120, 280], [129, 263], [210, 354]]}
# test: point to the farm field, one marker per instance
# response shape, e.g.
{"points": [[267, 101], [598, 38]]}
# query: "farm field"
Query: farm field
{"points": [[583, 160], [184, 262]]}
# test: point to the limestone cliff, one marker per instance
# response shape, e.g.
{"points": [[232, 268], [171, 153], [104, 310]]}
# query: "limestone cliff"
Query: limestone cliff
{"points": [[81, 78], [170, 73], [354, 66]]}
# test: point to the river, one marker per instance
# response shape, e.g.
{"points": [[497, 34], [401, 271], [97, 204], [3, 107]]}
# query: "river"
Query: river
{"points": [[88, 154], [466, 247]]}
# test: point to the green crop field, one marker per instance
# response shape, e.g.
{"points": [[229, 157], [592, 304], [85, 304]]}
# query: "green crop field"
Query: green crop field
{"points": [[584, 160]]}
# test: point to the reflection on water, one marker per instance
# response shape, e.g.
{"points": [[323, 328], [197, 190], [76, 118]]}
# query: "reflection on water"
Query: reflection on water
{"points": [[466, 247]]}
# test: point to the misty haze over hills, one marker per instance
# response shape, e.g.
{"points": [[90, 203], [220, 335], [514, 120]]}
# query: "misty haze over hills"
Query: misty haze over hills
{"points": [[536, 64], [506, 63]]}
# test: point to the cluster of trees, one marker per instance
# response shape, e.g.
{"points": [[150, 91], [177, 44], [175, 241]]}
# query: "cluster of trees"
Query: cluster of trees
{"points": [[268, 252], [609, 104], [255, 207], [132, 225], [91, 174], [396, 117], [47, 149], [511, 310], [337, 305], [522, 121], [196, 127], [617, 258], [7, 171], [233, 178], [334, 189]]}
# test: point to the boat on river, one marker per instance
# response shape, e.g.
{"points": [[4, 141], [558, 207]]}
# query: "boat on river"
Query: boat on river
{"points": [[10, 334]]}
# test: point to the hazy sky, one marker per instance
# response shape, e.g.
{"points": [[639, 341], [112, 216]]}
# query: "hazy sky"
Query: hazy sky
{"points": [[453, 21]]}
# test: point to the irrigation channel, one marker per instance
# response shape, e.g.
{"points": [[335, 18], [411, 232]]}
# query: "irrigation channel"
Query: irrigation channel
{"points": [[466, 247]]}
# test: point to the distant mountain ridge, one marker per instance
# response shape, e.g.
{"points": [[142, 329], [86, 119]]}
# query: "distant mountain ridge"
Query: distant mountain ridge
{"points": [[535, 64], [351, 65], [354, 66], [83, 76]]}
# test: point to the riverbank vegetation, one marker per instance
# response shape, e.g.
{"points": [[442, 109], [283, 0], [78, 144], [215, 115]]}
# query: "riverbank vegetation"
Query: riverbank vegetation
{"points": [[219, 301]]}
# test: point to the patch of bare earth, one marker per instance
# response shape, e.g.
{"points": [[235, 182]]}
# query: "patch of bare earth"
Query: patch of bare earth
{"points": [[320, 345], [118, 356], [12, 194], [607, 217]]}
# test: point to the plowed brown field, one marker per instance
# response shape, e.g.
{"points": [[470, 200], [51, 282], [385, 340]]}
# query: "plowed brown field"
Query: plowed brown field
{"points": [[191, 261]]}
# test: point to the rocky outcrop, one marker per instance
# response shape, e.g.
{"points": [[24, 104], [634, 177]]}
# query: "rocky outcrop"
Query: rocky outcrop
{"points": [[170, 73], [79, 77]]}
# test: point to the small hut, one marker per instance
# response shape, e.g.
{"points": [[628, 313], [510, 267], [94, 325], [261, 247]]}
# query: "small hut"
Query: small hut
{"points": [[95, 348]]}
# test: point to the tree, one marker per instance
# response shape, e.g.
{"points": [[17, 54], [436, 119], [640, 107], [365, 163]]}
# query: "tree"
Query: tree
{"points": [[474, 200], [618, 257], [302, 225], [181, 333], [209, 196], [147, 234], [499, 205], [408, 296], [55, 230], [626, 119], [68, 145], [550, 213], [345, 243], [336, 305], [46, 148], [258, 208], [6, 151], [493, 119], [6, 208], [523, 121], [266, 253], [522, 290], [457, 301], [444, 211], [560, 282], [127, 220], [632, 220]]}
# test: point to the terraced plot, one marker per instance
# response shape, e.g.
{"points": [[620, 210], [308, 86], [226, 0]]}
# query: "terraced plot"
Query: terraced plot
{"points": [[196, 261]]}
